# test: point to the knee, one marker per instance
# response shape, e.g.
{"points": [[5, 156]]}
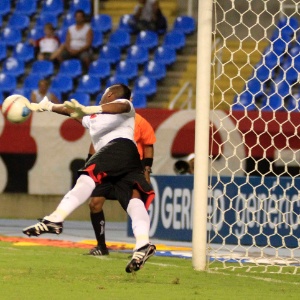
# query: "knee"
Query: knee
{"points": [[96, 204]]}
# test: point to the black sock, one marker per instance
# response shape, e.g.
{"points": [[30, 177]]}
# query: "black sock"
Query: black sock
{"points": [[98, 222]]}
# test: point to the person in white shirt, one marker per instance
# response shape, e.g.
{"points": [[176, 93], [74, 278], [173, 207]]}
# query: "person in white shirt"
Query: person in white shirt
{"points": [[115, 167]]}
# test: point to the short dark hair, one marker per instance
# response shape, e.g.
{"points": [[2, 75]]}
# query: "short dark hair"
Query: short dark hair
{"points": [[81, 11], [121, 90]]}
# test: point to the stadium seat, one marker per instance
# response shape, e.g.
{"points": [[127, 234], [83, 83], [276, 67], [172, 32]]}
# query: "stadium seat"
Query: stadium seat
{"points": [[115, 80], [43, 19], [127, 69], [119, 38], [145, 85], [5, 7], [18, 21], [148, 39], [31, 82], [35, 33], [102, 22], [185, 24], [137, 54], [244, 101], [99, 68], [52, 7], [25, 7], [1, 97], [89, 84], [71, 68], [273, 103], [11, 36], [254, 86], [283, 89], [110, 53], [62, 83], [165, 55], [21, 91], [14, 67], [175, 39], [97, 39], [98, 98], [68, 20], [155, 70], [24, 52], [84, 5], [270, 59], [3, 51], [61, 33], [8, 83], [262, 72], [125, 24], [139, 100], [82, 98], [44, 68]]}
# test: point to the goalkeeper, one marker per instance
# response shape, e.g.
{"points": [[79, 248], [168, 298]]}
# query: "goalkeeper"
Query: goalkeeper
{"points": [[115, 168]]}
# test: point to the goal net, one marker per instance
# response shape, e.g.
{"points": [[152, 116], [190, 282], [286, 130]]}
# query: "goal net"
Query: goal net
{"points": [[254, 203]]}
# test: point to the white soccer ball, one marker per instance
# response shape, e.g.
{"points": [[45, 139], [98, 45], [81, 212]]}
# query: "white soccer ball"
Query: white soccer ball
{"points": [[15, 110]]}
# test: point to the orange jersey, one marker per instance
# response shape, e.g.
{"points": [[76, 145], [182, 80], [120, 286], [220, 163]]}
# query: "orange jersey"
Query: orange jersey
{"points": [[143, 134]]}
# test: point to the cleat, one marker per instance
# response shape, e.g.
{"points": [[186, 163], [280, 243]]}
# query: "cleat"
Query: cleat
{"points": [[99, 251], [139, 258], [44, 226]]}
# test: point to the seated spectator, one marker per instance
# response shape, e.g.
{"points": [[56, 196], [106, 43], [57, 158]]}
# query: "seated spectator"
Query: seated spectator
{"points": [[79, 40], [182, 167], [42, 91], [147, 15], [49, 47]]}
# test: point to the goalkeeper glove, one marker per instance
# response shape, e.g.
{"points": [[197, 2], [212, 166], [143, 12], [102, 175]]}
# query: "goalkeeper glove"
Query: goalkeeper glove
{"points": [[81, 110], [44, 105]]}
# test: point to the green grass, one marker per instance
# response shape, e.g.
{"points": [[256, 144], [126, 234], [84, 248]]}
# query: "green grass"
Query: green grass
{"points": [[31, 272]]}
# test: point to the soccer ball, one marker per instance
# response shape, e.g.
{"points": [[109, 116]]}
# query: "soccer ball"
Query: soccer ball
{"points": [[15, 110]]}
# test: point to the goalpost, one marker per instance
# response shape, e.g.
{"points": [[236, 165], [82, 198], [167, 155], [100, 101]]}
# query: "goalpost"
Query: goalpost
{"points": [[247, 136]]}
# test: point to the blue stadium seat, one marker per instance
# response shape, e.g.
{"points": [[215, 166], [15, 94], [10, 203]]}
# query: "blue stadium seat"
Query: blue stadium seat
{"points": [[115, 80], [62, 83], [71, 68], [98, 98], [25, 7], [82, 98], [43, 19], [102, 22], [145, 85], [24, 52], [254, 86], [125, 23], [31, 82], [110, 53], [175, 39], [262, 72], [273, 103], [61, 33], [99, 68], [244, 101], [35, 33], [185, 24], [127, 69], [14, 67], [139, 100], [3, 51], [148, 39], [97, 39], [1, 97], [11, 36], [84, 5], [8, 83], [119, 38], [89, 84], [68, 20], [52, 7], [18, 21], [284, 89], [44, 68], [137, 54], [270, 59], [21, 91], [165, 55], [155, 70], [5, 7]]}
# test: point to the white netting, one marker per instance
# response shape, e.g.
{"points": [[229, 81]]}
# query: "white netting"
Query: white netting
{"points": [[255, 119]]}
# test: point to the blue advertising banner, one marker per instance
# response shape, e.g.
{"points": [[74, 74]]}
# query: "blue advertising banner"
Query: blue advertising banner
{"points": [[244, 210]]}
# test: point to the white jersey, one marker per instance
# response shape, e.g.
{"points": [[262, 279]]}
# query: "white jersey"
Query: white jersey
{"points": [[78, 36], [104, 128]]}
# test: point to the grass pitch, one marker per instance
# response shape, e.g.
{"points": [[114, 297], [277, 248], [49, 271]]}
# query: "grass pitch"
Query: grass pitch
{"points": [[43, 272]]}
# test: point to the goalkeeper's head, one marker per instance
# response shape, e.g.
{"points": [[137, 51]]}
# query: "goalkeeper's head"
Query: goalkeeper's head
{"points": [[114, 92]]}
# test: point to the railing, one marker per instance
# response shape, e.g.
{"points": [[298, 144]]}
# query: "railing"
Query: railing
{"points": [[189, 100]]}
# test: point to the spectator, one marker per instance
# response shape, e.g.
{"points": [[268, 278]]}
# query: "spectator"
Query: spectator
{"points": [[79, 40], [42, 91], [49, 47], [182, 167], [147, 15]]}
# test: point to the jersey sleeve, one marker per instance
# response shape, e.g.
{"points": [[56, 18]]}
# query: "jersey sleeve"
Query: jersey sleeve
{"points": [[86, 122], [147, 135]]}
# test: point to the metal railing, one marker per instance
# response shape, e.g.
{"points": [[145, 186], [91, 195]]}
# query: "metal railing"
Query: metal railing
{"points": [[189, 100]]}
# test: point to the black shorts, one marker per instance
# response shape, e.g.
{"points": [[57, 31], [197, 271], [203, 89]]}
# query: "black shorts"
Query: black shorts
{"points": [[117, 170]]}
